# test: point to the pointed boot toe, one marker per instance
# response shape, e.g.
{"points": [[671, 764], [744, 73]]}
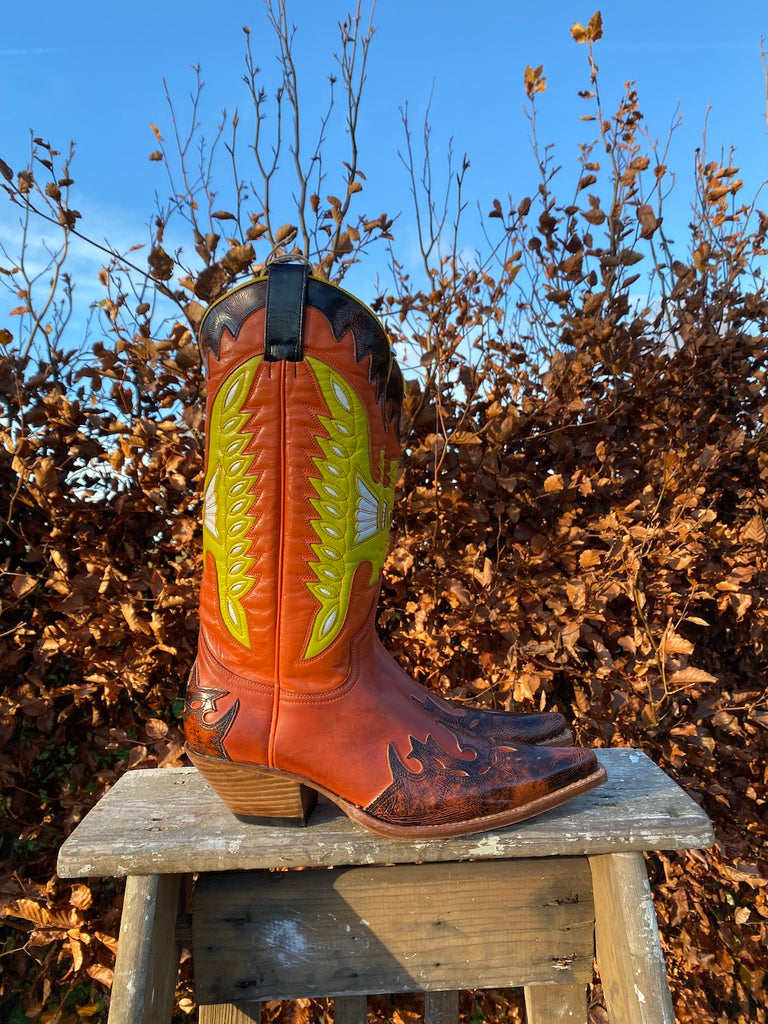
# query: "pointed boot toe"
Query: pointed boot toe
{"points": [[490, 791]]}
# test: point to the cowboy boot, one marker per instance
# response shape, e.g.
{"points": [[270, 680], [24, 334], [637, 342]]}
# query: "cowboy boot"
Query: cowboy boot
{"points": [[288, 696]]}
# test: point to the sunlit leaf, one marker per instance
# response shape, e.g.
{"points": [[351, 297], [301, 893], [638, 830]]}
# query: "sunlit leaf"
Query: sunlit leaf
{"points": [[684, 676], [589, 559], [102, 974], [285, 233], [81, 896], [755, 531], [534, 80]]}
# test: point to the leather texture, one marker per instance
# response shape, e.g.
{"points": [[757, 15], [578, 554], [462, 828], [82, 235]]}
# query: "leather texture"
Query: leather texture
{"points": [[529, 728], [301, 463], [286, 296]]}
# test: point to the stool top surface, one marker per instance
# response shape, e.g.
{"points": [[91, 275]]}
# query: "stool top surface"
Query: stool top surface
{"points": [[169, 821]]}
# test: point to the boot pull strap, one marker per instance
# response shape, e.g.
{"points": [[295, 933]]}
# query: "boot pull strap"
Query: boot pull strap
{"points": [[286, 294]]}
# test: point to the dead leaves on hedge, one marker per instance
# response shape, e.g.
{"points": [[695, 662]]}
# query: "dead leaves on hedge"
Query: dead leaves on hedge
{"points": [[582, 524]]}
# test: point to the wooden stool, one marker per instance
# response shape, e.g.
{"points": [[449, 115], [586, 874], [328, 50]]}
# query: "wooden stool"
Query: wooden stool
{"points": [[530, 905]]}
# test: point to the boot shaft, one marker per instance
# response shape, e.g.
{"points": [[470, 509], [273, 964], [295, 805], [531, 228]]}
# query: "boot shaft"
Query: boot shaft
{"points": [[302, 451]]}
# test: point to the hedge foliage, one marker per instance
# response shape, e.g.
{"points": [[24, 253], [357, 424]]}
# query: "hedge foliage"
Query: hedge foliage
{"points": [[582, 520]]}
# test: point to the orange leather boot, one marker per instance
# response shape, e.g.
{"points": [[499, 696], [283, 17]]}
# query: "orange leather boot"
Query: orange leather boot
{"points": [[291, 693]]}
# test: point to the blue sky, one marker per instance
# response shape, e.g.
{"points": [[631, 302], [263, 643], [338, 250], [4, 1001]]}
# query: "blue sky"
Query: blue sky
{"points": [[93, 73]]}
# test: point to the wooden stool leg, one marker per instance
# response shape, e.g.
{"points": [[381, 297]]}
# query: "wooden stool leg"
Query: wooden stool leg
{"points": [[350, 1010], [551, 1004], [147, 965], [629, 954], [441, 1007], [229, 1013]]}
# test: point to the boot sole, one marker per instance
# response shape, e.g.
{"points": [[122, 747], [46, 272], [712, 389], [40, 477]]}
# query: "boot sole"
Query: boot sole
{"points": [[268, 796], [563, 739]]}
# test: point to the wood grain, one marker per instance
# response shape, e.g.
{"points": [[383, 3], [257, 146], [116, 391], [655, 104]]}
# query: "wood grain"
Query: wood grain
{"points": [[354, 931], [629, 953], [556, 1004], [350, 1010], [228, 1013], [160, 821], [148, 956], [441, 1007]]}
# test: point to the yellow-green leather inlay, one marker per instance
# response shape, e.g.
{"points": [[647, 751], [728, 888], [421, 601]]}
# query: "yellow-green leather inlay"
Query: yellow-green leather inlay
{"points": [[227, 500], [353, 510]]}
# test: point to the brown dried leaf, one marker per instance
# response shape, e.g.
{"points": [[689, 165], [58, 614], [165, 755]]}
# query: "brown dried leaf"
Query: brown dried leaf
{"points": [[755, 531], [160, 264], [76, 950], [285, 233], [684, 676], [648, 221], [534, 80], [107, 940], [101, 974], [81, 896], [589, 559], [23, 583], [464, 437], [673, 643], [156, 728], [133, 618]]}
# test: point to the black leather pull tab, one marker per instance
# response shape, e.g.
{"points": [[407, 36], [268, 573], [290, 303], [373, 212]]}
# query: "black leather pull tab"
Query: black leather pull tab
{"points": [[286, 293]]}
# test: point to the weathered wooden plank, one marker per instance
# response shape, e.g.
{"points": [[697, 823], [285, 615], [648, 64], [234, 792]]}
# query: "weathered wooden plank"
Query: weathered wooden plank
{"points": [[556, 1004], [629, 954], [168, 820], [353, 931], [229, 1013], [147, 963], [441, 1007], [350, 1010]]}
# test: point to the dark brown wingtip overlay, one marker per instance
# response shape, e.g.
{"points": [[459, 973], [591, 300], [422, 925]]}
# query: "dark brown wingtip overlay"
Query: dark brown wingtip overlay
{"points": [[205, 727], [500, 784]]}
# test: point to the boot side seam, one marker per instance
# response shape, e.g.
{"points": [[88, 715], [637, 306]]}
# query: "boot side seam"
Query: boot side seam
{"points": [[282, 470]]}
